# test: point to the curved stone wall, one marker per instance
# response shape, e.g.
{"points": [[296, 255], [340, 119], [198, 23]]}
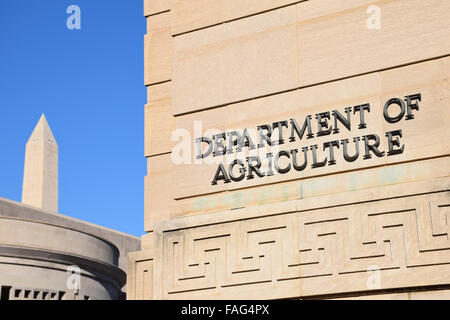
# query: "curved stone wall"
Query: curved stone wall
{"points": [[40, 235], [53, 257], [38, 277]]}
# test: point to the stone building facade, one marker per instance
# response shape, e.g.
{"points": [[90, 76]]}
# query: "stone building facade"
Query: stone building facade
{"points": [[296, 149]]}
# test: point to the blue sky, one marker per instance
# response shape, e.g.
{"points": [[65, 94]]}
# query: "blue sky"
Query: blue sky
{"points": [[89, 84]]}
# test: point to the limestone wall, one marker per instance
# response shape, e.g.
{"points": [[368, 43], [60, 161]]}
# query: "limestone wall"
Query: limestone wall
{"points": [[318, 231]]}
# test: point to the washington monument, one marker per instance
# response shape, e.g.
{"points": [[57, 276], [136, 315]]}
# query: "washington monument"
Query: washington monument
{"points": [[40, 179]]}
